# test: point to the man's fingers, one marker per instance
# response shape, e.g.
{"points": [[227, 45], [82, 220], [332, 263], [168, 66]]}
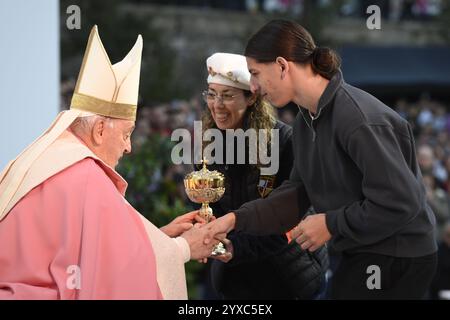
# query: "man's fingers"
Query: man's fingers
{"points": [[199, 219], [306, 245], [208, 240], [197, 225], [186, 217], [211, 234], [214, 242], [298, 229], [301, 238], [223, 257], [225, 241], [186, 226], [296, 232], [193, 213], [220, 236]]}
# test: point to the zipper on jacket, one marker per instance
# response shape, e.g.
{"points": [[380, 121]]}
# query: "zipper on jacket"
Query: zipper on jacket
{"points": [[312, 122]]}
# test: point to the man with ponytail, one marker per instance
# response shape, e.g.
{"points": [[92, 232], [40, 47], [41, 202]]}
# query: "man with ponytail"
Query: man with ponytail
{"points": [[354, 162]]}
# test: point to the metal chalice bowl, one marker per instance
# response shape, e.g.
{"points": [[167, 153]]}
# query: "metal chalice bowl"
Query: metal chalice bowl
{"points": [[204, 186]]}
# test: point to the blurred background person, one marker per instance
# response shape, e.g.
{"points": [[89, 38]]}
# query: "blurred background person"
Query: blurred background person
{"points": [[440, 288]]}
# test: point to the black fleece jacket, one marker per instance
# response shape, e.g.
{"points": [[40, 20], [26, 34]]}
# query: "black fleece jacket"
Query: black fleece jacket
{"points": [[355, 162]]}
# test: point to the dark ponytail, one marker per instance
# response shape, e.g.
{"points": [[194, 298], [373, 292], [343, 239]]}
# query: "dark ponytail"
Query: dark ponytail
{"points": [[325, 62], [287, 39]]}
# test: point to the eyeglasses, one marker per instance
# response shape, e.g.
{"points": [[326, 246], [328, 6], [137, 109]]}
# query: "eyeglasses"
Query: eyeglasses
{"points": [[225, 98]]}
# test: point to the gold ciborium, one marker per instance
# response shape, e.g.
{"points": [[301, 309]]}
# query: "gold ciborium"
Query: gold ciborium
{"points": [[204, 186]]}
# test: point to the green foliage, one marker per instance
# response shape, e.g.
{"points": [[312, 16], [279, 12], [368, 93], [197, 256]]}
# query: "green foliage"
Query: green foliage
{"points": [[148, 191]]}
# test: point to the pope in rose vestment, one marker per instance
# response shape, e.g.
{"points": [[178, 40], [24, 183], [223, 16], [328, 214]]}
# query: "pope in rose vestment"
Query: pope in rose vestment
{"points": [[66, 230]]}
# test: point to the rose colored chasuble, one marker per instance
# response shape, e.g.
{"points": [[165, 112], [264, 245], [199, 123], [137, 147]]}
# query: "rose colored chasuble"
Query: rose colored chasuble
{"points": [[74, 236], [66, 230]]}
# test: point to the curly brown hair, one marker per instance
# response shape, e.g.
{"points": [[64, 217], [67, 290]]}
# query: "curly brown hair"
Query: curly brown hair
{"points": [[260, 115]]}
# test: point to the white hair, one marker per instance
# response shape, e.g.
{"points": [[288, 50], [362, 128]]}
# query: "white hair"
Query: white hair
{"points": [[84, 124]]}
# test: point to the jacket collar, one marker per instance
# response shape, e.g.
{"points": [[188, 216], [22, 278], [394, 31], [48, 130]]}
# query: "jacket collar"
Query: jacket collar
{"points": [[327, 96]]}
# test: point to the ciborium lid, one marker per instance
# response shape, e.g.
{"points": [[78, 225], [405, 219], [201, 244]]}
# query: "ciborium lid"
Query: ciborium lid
{"points": [[204, 185]]}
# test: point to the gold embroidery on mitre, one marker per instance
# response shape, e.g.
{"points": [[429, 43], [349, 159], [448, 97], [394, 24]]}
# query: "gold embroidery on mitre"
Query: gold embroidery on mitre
{"points": [[86, 99], [102, 107]]}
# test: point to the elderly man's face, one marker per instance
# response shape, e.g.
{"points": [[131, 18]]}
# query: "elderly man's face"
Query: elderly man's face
{"points": [[115, 140]]}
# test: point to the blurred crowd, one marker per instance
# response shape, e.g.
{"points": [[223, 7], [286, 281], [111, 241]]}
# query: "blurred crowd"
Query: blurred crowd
{"points": [[430, 121], [393, 9]]}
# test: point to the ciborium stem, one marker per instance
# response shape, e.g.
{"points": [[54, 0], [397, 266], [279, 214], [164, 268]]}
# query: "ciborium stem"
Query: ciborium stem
{"points": [[206, 212]]}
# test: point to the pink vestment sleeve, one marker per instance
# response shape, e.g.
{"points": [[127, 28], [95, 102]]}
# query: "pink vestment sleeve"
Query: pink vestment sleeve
{"points": [[74, 237]]}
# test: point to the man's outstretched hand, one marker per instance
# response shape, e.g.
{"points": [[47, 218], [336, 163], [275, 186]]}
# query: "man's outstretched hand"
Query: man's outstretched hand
{"points": [[218, 229], [312, 232], [203, 237]]}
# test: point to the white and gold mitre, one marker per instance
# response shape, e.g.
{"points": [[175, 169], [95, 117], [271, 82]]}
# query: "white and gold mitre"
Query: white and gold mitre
{"points": [[106, 89], [102, 88]]}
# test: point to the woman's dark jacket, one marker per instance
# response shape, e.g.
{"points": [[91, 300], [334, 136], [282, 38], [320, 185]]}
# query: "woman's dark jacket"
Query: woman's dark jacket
{"points": [[250, 274]]}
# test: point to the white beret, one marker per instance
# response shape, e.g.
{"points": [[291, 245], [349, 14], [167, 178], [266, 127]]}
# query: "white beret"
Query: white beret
{"points": [[228, 69]]}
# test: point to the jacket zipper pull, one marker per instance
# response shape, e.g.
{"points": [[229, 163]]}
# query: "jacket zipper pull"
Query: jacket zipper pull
{"points": [[312, 128]]}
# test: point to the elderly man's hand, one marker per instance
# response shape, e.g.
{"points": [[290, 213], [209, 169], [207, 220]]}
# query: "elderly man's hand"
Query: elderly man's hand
{"points": [[182, 223], [195, 238], [312, 232]]}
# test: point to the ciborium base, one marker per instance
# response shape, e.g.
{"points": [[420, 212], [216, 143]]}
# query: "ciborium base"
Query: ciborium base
{"points": [[218, 250]]}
